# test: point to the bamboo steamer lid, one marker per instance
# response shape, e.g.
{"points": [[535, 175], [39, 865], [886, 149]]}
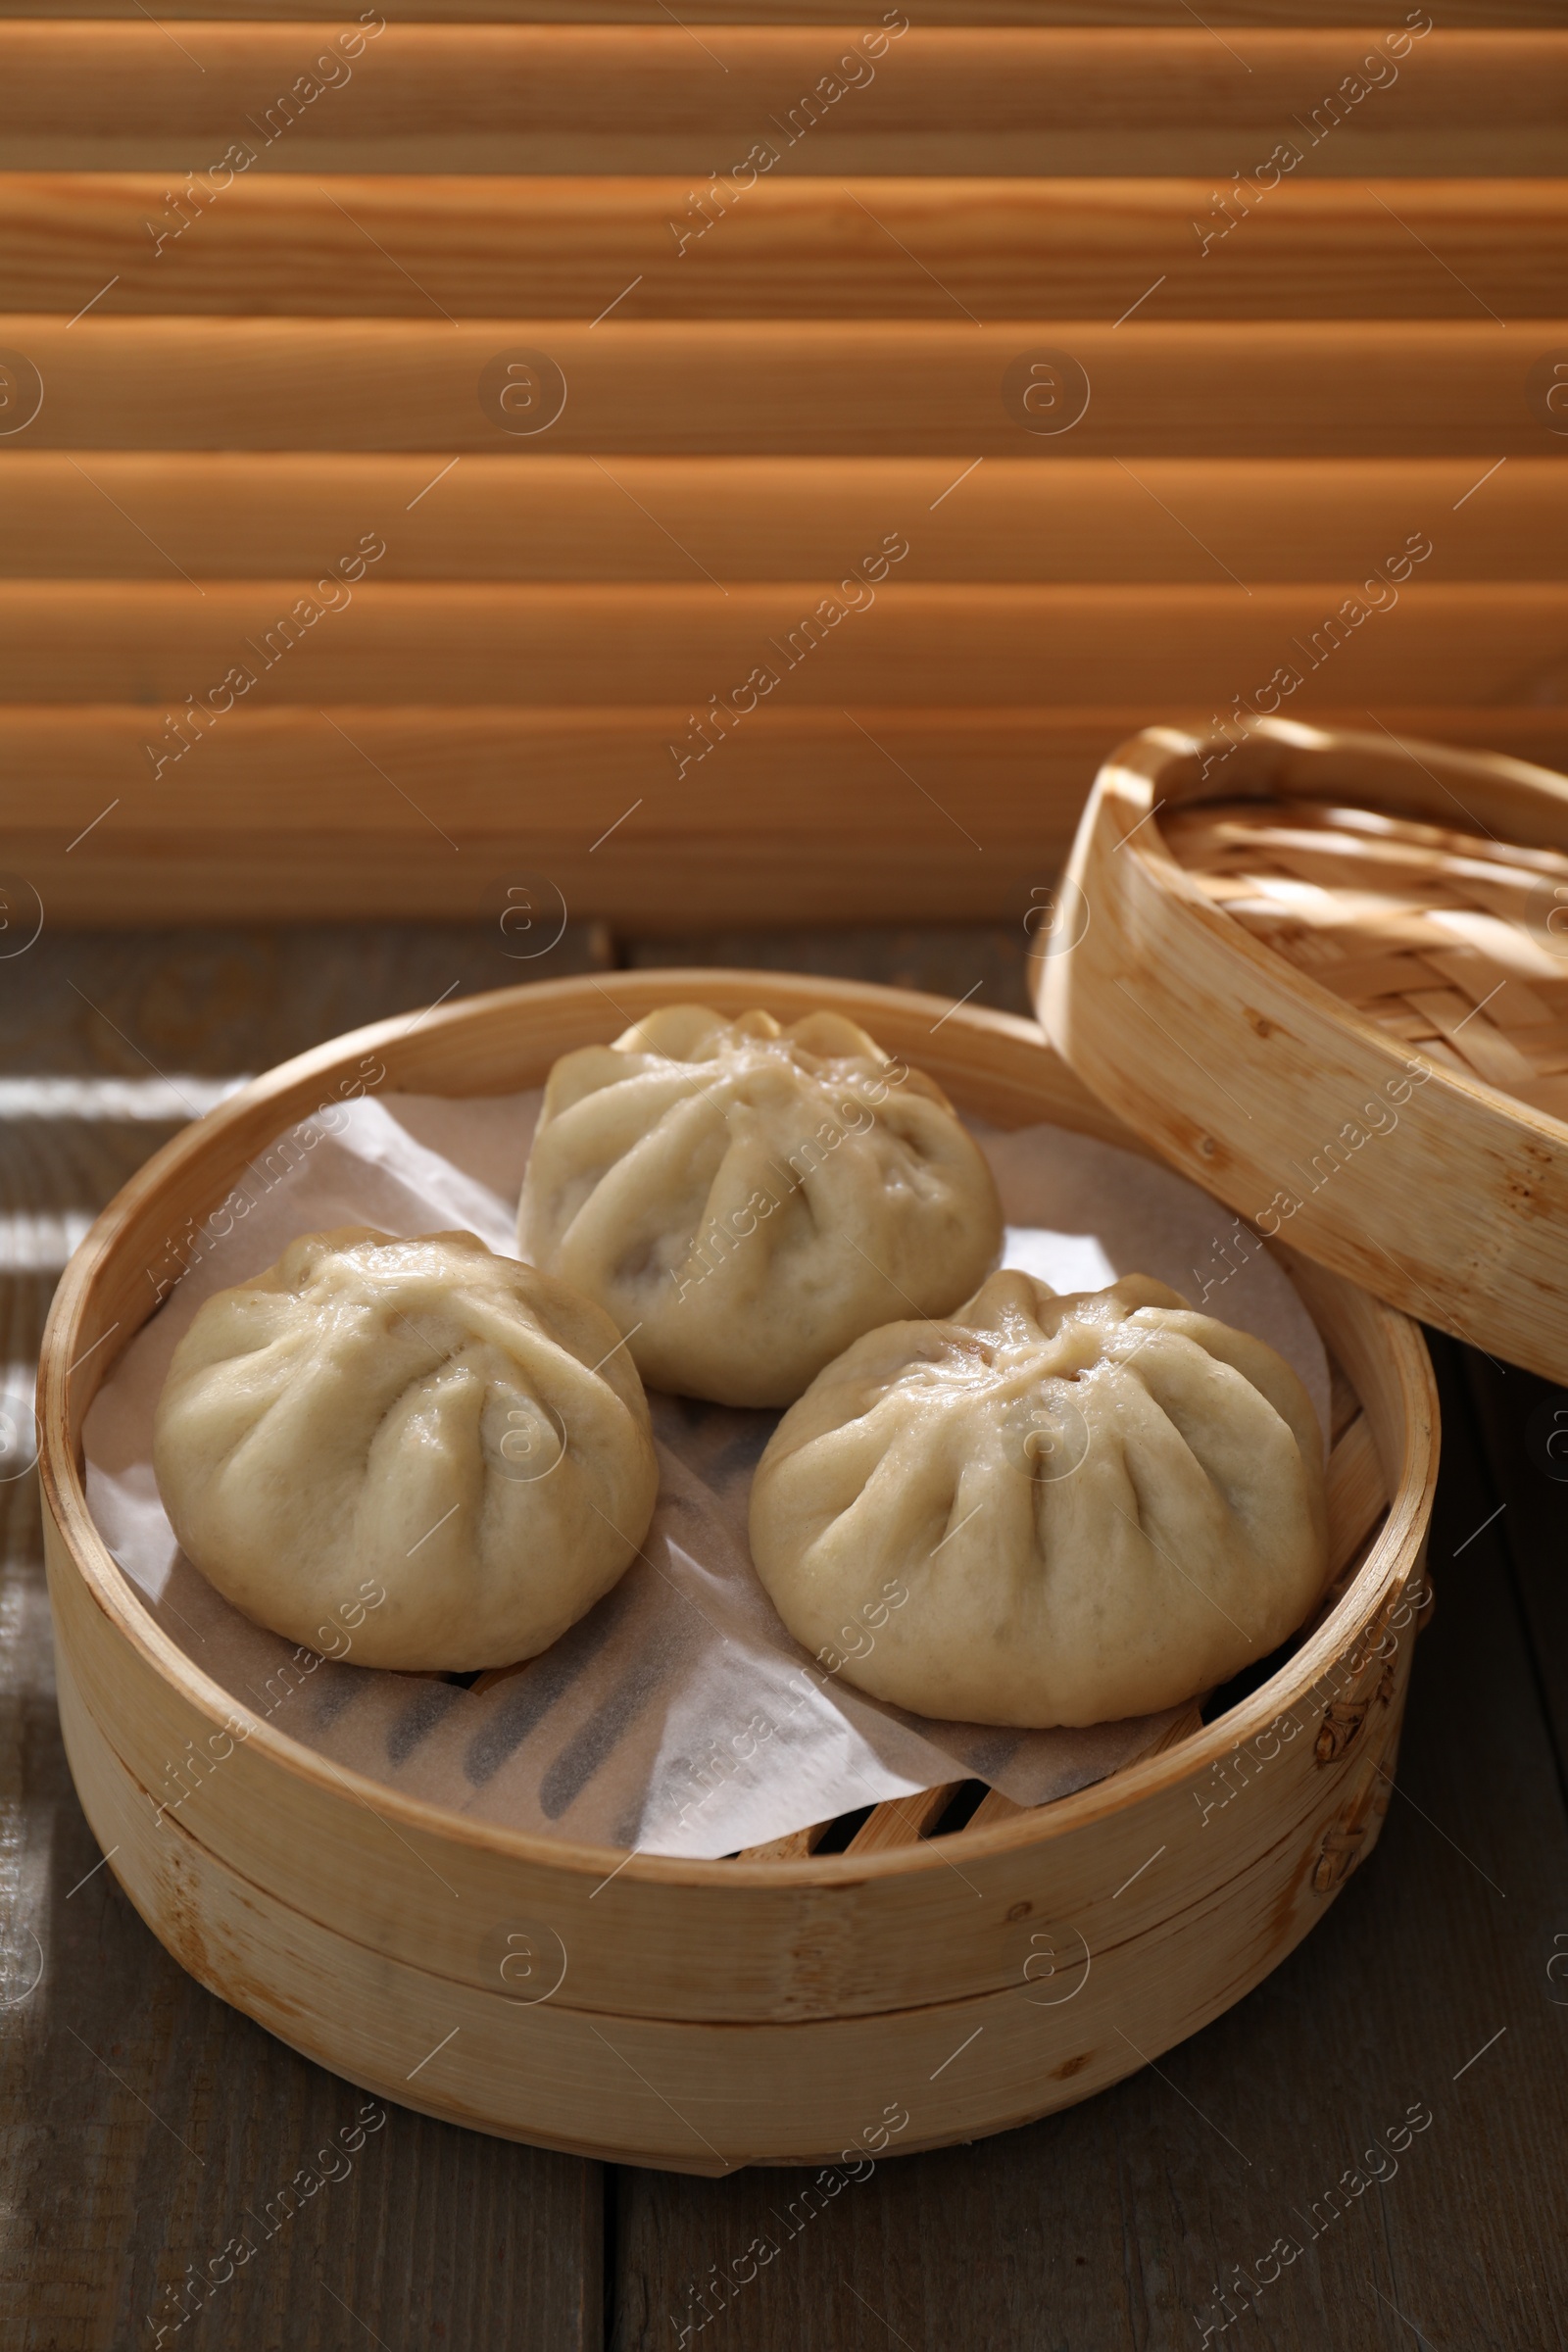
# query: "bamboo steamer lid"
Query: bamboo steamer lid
{"points": [[1326, 975]]}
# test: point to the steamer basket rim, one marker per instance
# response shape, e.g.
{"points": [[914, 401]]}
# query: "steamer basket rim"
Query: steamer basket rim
{"points": [[1388, 1566]]}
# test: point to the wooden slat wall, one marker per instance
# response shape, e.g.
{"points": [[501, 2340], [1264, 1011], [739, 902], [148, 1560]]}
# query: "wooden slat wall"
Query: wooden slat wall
{"points": [[1030, 15], [796, 388], [594, 98], [562, 247], [781, 388]]}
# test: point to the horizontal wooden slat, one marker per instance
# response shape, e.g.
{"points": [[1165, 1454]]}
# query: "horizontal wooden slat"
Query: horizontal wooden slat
{"points": [[289, 812], [583, 98], [276, 814], [793, 1846], [1249, 14], [457, 641], [1327, 388], [483, 248], [489, 762], [221, 517]]}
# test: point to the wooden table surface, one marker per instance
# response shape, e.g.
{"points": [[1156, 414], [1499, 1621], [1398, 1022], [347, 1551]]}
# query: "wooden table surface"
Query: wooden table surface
{"points": [[143, 2119]]}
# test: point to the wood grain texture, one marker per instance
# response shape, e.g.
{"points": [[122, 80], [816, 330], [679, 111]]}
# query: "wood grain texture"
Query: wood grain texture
{"points": [[1428, 388], [128, 514], [902, 1819], [985, 963], [212, 1004], [713, 2097], [816, 641], [587, 99], [487, 248], [1118, 2221], [185, 2121], [1132, 14], [1093, 2229], [143, 2126], [1114, 2217], [293, 813], [1239, 274]]}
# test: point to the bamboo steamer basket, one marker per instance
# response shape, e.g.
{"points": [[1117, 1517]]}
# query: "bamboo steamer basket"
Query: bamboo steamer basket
{"points": [[1326, 975], [780, 2006]]}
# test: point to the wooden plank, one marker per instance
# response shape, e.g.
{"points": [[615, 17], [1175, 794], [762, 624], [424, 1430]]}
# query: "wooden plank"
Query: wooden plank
{"points": [[1493, 15], [1157, 2190], [277, 815], [1287, 2051], [806, 387], [813, 641], [208, 1004], [902, 1819], [993, 1807], [798, 248], [146, 2123], [591, 98], [793, 1846], [313, 822], [945, 959], [144, 2127], [222, 516]]}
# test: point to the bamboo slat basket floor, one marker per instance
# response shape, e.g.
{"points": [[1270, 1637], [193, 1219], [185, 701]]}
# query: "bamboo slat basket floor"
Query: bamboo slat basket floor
{"points": [[775, 2006], [1327, 973]]}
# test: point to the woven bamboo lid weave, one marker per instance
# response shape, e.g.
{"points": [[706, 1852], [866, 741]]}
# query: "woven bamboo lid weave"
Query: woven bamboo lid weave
{"points": [[1327, 975]]}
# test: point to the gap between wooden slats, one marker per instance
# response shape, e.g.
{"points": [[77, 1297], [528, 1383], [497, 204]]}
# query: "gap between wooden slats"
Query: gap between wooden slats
{"points": [[800, 248], [594, 99], [217, 515], [1356, 1496], [1328, 388]]}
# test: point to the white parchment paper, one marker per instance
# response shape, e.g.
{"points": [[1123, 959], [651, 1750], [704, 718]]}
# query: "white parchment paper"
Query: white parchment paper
{"points": [[677, 1717]]}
